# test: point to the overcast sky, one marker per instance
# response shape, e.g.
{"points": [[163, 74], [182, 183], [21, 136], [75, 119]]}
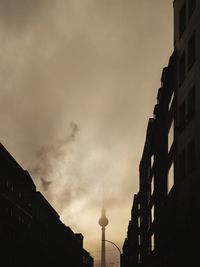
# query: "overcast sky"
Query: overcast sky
{"points": [[78, 82]]}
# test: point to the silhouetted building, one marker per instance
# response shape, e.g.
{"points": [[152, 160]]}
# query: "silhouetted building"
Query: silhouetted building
{"points": [[31, 233], [152, 221], [187, 45], [87, 260], [130, 248], [167, 206]]}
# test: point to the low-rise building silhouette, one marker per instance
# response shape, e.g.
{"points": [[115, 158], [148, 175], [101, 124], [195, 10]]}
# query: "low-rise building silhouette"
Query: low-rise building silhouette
{"points": [[165, 223], [31, 233]]}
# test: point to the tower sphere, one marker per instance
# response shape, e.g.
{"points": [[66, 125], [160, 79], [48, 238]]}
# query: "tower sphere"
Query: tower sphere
{"points": [[103, 221]]}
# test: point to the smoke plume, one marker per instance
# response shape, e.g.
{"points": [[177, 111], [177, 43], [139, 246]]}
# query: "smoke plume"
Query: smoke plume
{"points": [[48, 158]]}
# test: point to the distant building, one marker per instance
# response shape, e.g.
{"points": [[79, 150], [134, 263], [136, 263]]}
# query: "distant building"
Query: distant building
{"points": [[167, 206], [31, 233]]}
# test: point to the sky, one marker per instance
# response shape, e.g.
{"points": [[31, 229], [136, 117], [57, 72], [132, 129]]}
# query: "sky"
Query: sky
{"points": [[78, 83]]}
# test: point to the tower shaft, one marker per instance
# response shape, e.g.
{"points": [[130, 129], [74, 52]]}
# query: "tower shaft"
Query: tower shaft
{"points": [[103, 248]]}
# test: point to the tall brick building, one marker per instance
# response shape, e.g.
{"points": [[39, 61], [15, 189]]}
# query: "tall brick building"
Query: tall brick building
{"points": [[165, 217]]}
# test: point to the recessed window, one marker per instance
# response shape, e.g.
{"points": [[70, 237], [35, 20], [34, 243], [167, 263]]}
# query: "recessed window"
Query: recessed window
{"points": [[139, 222], [171, 136], [139, 258], [191, 7], [182, 116], [182, 20], [191, 103], [152, 161], [171, 101], [152, 213], [191, 156], [191, 51], [170, 178], [148, 195], [182, 67], [152, 185], [139, 240], [149, 221], [149, 245], [152, 242], [182, 165]]}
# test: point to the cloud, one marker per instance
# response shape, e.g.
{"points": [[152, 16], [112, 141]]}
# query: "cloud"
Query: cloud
{"points": [[49, 156], [18, 15], [96, 63]]}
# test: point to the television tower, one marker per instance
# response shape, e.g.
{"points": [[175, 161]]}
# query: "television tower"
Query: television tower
{"points": [[103, 222]]}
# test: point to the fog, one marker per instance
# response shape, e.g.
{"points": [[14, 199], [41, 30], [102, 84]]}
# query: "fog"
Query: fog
{"points": [[78, 83]]}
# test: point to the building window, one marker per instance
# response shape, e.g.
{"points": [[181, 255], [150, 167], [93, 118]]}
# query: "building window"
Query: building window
{"points": [[139, 222], [149, 245], [191, 103], [12, 187], [149, 221], [148, 196], [191, 156], [182, 116], [152, 161], [170, 178], [152, 242], [171, 136], [152, 213], [182, 20], [182, 66], [191, 7], [171, 101], [139, 258], [191, 51], [139, 240], [182, 165], [152, 185]]}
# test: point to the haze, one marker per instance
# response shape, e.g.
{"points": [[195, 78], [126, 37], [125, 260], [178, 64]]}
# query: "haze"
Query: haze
{"points": [[78, 83]]}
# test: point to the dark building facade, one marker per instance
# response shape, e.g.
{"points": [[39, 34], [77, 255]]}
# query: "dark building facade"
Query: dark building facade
{"points": [[31, 233], [187, 45], [130, 248], [167, 206], [152, 228]]}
